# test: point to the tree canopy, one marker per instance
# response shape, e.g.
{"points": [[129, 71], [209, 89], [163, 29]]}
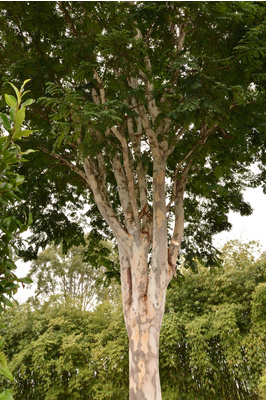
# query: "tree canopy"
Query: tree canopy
{"points": [[10, 226], [202, 65]]}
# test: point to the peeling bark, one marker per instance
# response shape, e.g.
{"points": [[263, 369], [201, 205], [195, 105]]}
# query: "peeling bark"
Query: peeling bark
{"points": [[144, 362]]}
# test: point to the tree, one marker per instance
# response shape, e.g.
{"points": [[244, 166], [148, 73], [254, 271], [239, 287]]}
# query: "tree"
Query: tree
{"points": [[80, 275], [54, 351], [157, 112]]}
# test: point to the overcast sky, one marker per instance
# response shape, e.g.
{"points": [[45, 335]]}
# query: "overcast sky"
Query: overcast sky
{"points": [[248, 228]]}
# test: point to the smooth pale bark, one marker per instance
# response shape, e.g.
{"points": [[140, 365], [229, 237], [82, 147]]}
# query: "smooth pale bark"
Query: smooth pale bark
{"points": [[144, 291], [143, 322]]}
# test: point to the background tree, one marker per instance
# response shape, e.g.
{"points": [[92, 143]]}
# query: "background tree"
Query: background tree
{"points": [[82, 275], [212, 340], [157, 113]]}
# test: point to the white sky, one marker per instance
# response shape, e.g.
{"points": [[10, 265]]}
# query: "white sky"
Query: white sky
{"points": [[245, 229], [248, 228]]}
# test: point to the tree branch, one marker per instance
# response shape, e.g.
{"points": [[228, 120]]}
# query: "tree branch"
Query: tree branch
{"points": [[102, 203], [179, 222], [68, 17], [101, 87], [68, 163], [123, 193], [129, 175]]}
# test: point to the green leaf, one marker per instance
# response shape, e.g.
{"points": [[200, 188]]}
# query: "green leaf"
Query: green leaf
{"points": [[27, 91], [24, 83], [6, 395], [5, 121], [7, 302], [29, 151], [10, 102], [30, 219], [25, 280], [19, 134], [27, 102], [12, 114], [4, 370], [10, 264], [19, 179], [20, 116], [16, 90]]}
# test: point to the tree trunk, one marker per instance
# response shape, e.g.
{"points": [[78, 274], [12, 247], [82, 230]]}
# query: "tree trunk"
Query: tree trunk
{"points": [[143, 315], [144, 379], [146, 266]]}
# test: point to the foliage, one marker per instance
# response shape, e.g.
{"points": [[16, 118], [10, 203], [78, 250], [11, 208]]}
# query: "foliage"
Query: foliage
{"points": [[153, 111], [262, 386], [5, 371], [217, 79], [61, 352], [214, 330], [212, 340], [10, 181]]}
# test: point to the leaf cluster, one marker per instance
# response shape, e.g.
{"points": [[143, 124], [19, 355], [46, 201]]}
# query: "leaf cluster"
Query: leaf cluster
{"points": [[10, 181]]}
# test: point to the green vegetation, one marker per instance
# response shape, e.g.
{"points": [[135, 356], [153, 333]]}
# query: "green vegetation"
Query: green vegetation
{"points": [[150, 115], [212, 339], [10, 156], [10, 225]]}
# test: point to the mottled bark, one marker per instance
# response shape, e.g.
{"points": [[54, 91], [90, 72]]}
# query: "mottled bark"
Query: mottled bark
{"points": [[143, 320], [144, 383]]}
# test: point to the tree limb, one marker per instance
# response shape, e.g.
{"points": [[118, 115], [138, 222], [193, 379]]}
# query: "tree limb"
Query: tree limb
{"points": [[68, 163], [129, 175]]}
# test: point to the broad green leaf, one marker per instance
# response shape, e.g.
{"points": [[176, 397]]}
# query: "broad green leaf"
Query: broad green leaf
{"points": [[4, 370], [10, 264], [19, 179], [6, 395], [16, 90], [25, 280], [12, 115], [7, 302], [10, 102], [27, 102], [19, 134], [20, 116], [5, 121]]}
